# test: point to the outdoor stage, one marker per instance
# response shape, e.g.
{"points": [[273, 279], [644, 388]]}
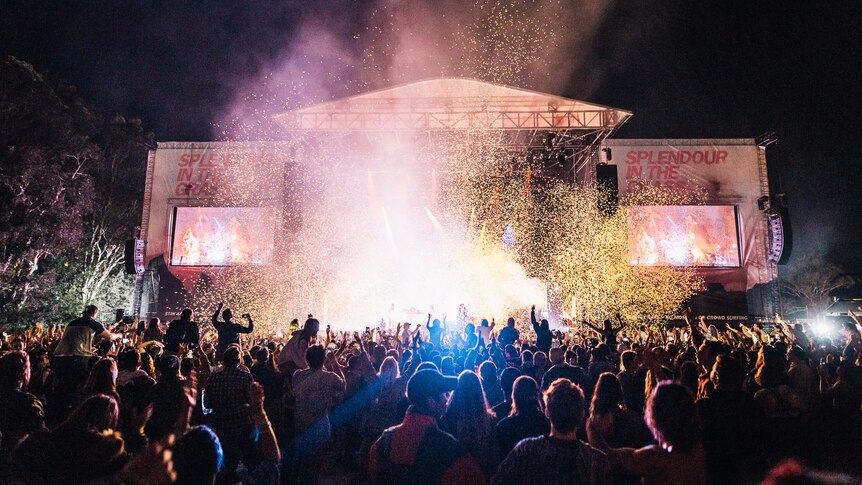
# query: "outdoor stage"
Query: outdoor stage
{"points": [[381, 206]]}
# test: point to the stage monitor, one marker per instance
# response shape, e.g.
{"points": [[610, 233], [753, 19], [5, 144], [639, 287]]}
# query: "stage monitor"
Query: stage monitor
{"points": [[222, 236], [688, 235]]}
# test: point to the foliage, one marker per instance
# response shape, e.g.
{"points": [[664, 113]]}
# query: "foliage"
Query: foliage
{"points": [[811, 281], [65, 206]]}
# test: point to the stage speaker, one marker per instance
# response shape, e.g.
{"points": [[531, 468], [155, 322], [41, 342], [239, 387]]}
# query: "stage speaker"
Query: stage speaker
{"points": [[606, 180], [129, 256]]}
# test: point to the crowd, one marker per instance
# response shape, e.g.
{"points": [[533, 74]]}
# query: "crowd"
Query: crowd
{"points": [[429, 402]]}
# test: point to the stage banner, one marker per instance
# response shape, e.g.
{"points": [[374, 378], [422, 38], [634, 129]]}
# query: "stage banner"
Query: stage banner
{"points": [[726, 170], [210, 174]]}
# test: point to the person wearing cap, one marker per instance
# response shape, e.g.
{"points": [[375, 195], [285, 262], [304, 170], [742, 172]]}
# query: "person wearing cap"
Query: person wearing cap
{"points": [[417, 450]]}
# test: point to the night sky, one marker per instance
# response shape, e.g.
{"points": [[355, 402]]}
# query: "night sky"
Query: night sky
{"points": [[686, 69]]}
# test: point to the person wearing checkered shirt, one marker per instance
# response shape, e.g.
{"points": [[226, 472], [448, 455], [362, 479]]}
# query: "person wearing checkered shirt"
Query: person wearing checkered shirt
{"points": [[226, 393]]}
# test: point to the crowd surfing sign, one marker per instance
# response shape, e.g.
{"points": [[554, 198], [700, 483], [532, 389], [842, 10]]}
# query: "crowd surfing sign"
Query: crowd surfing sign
{"points": [[664, 167]]}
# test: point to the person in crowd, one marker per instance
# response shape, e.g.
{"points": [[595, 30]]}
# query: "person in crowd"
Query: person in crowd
{"points": [[264, 372], [540, 365], [490, 383], [563, 370], [417, 450], [777, 399], [678, 457], [102, 380], [527, 418], [166, 397], [616, 426], [21, 413], [388, 408], [71, 354], [484, 329], [507, 382], [228, 331], [292, 356], [508, 334], [733, 424], [317, 392], [632, 378], [559, 457], [227, 394], [198, 457], [82, 449], [544, 336], [608, 331], [154, 332], [469, 419], [599, 362], [436, 329], [803, 379], [182, 333]]}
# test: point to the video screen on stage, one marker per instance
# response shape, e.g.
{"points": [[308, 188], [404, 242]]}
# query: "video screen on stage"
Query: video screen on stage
{"points": [[222, 236], [704, 236]]}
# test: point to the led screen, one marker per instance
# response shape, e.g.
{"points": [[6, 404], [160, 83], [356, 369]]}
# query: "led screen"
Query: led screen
{"points": [[683, 236], [222, 236]]}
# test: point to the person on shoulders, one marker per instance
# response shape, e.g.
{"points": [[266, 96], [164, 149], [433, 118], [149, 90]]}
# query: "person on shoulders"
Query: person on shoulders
{"points": [[292, 356], [77, 339], [228, 331], [70, 361], [508, 334], [183, 331], [544, 336]]}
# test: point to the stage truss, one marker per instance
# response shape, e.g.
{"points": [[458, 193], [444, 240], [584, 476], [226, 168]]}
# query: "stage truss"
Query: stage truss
{"points": [[557, 137]]}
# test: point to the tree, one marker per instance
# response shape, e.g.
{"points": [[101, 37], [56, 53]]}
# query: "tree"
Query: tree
{"points": [[65, 202], [811, 281], [45, 191]]}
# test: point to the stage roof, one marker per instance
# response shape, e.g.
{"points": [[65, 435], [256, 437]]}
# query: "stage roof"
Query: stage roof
{"points": [[453, 104]]}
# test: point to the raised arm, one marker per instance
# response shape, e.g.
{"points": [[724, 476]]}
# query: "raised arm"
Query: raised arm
{"points": [[533, 319], [588, 324], [250, 327], [620, 322], [218, 310], [695, 335], [267, 444]]}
